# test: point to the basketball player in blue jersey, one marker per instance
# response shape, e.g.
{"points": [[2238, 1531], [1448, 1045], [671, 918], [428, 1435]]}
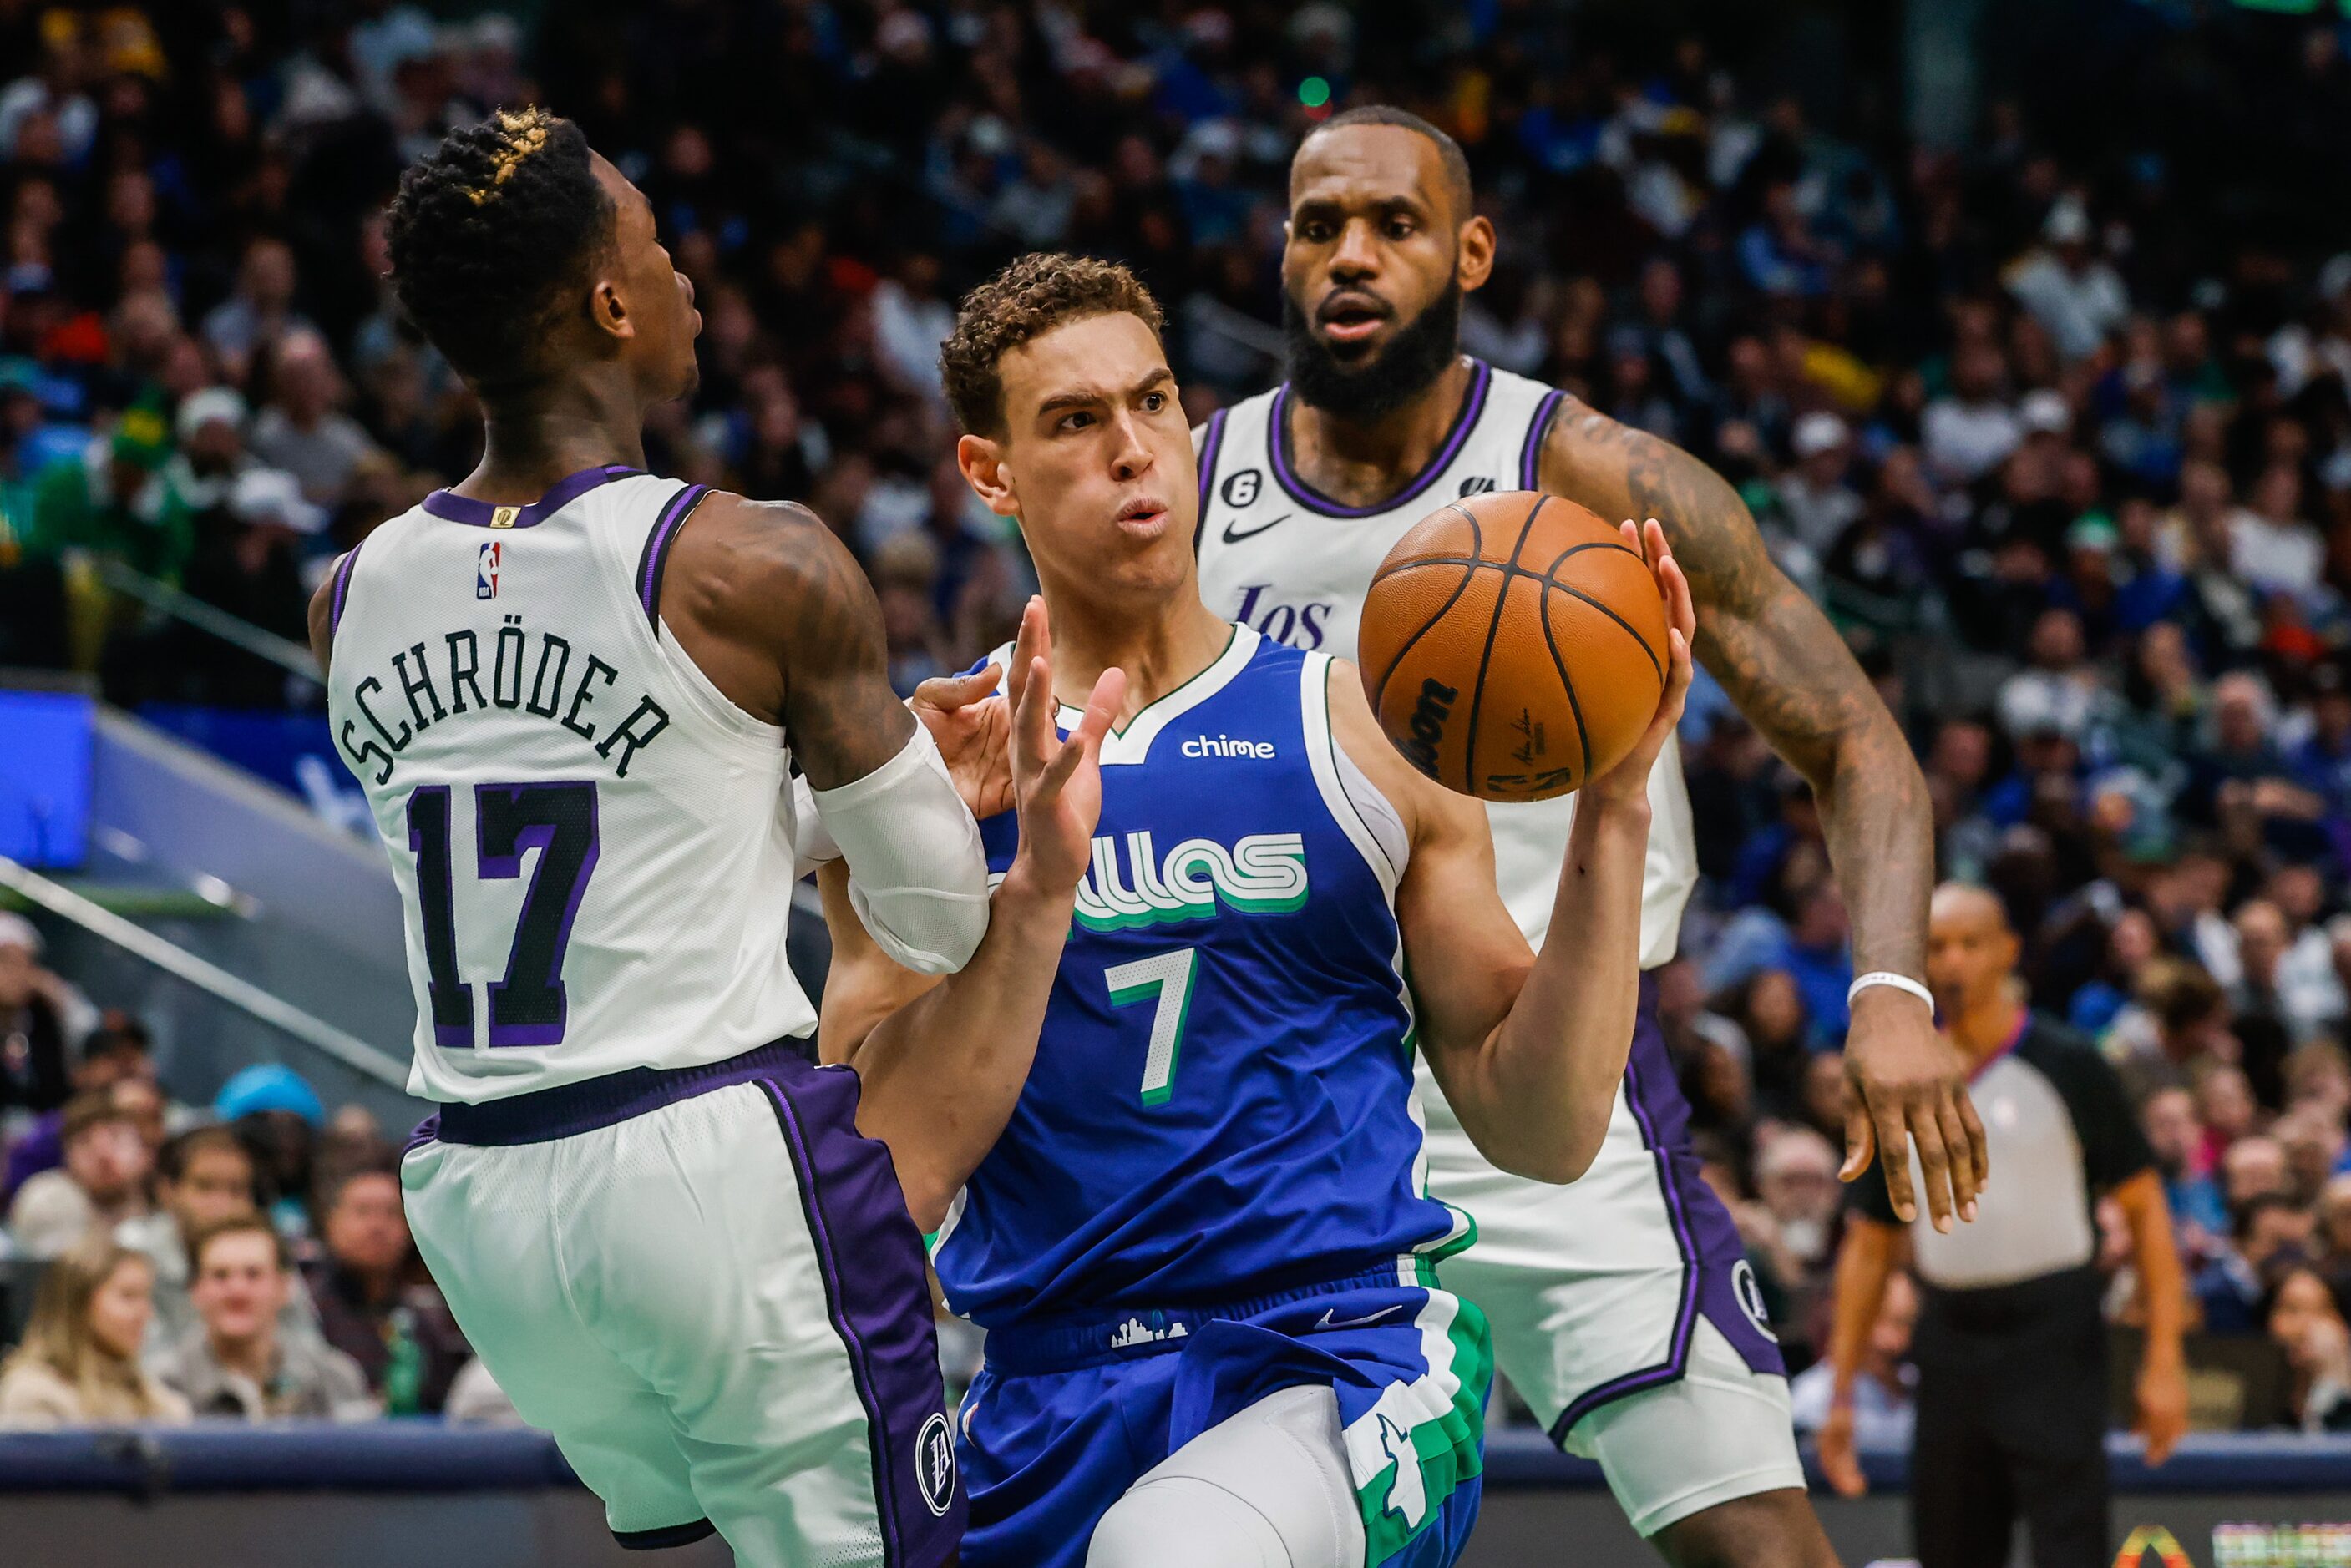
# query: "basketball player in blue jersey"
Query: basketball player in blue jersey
{"points": [[1163, 1127], [1621, 1306], [572, 690]]}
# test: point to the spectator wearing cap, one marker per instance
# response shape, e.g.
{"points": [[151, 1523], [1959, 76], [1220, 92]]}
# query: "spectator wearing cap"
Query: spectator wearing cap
{"points": [[304, 430], [2069, 289], [42, 1020], [112, 501], [375, 1301], [237, 1361], [210, 425], [102, 1183], [277, 1116], [1815, 500], [2011, 1335]]}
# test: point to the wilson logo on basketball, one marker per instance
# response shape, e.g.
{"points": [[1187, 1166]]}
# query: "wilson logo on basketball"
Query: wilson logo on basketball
{"points": [[1428, 725]]}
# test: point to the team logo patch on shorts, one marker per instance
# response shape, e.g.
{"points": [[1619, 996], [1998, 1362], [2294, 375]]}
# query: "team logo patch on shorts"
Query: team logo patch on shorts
{"points": [[1749, 1292], [934, 1463]]}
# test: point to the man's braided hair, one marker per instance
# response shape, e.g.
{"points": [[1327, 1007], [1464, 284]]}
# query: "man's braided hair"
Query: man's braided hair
{"points": [[493, 236]]}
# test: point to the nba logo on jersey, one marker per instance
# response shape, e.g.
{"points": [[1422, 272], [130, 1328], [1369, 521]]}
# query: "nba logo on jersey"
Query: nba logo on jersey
{"points": [[486, 570]]}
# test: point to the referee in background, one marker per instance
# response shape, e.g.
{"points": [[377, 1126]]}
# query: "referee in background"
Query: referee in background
{"points": [[2010, 1343]]}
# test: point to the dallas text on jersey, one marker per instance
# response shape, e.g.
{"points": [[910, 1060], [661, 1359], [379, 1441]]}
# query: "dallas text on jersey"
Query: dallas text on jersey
{"points": [[554, 694]]}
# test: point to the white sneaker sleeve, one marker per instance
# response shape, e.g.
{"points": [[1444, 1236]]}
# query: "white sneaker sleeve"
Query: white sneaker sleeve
{"points": [[917, 874]]}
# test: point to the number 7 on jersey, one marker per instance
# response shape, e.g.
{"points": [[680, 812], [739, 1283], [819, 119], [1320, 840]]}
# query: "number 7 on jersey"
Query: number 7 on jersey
{"points": [[1168, 976]]}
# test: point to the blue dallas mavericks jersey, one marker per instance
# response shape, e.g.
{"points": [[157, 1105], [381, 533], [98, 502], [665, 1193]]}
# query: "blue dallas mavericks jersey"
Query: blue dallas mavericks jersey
{"points": [[1222, 1103]]}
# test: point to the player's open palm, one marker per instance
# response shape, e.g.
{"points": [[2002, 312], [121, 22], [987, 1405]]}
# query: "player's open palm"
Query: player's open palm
{"points": [[1056, 782], [1629, 780]]}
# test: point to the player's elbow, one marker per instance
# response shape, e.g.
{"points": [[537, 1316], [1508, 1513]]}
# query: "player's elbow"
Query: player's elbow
{"points": [[1555, 1156]]}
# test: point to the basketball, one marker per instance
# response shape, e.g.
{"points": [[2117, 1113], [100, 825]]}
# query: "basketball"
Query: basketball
{"points": [[1513, 645]]}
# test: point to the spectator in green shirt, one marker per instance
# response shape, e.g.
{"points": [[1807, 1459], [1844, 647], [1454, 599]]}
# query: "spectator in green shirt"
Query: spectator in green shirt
{"points": [[112, 501]]}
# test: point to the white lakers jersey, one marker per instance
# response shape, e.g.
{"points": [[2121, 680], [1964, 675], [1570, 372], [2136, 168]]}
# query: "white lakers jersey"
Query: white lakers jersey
{"points": [[1280, 556], [593, 846]]}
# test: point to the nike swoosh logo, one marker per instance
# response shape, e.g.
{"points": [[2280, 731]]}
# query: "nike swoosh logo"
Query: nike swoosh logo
{"points": [[1233, 538], [1327, 1321]]}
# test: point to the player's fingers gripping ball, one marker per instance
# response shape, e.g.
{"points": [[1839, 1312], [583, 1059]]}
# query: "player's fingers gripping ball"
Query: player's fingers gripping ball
{"points": [[1513, 645]]}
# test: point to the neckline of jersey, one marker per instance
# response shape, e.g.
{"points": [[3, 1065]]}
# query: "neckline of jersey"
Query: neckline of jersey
{"points": [[2015, 1038], [456, 508], [1133, 740], [1464, 420]]}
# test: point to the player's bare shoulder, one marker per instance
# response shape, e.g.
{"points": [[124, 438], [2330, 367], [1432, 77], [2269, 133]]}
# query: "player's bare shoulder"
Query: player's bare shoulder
{"points": [[755, 588]]}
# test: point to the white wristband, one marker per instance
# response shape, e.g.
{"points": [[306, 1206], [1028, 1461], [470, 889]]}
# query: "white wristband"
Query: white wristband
{"points": [[1888, 977]]}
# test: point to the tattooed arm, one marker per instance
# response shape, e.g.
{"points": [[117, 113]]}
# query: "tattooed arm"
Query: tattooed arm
{"points": [[770, 607], [774, 610], [1790, 673]]}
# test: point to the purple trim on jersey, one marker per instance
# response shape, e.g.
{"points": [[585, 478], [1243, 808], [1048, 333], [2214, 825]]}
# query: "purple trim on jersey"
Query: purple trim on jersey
{"points": [[1481, 376], [567, 1110], [657, 542], [456, 508], [1703, 1231], [879, 1299], [1211, 445], [1530, 458], [342, 586]]}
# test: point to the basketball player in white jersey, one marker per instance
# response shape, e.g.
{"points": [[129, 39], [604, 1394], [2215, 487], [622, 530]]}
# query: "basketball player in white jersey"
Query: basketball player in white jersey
{"points": [[571, 690], [1621, 1308]]}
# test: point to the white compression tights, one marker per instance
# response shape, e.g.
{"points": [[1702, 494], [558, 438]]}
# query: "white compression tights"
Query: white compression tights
{"points": [[1268, 1488]]}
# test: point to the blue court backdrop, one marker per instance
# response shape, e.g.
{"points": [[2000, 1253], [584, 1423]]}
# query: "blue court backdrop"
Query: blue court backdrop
{"points": [[46, 740]]}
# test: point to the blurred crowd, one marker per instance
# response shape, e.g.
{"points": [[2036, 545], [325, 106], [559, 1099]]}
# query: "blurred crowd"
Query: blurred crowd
{"points": [[2054, 421], [249, 1259]]}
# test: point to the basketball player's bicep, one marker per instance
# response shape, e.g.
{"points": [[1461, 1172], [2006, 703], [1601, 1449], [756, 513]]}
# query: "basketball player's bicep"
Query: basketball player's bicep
{"points": [[841, 716], [1774, 652]]}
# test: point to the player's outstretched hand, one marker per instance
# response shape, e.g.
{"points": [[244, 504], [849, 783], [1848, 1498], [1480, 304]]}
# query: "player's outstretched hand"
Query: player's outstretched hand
{"points": [[1056, 782], [972, 729], [1629, 780]]}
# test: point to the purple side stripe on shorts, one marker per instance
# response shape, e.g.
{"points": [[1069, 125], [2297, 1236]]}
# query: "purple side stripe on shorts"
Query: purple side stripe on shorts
{"points": [[657, 542], [1703, 1231], [879, 1299]]}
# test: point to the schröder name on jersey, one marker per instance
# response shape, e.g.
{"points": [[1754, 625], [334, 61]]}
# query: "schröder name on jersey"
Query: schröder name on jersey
{"points": [[1132, 883], [455, 663], [1226, 746]]}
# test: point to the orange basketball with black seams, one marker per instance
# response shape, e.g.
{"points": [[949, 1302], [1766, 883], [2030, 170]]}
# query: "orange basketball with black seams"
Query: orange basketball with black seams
{"points": [[1513, 645]]}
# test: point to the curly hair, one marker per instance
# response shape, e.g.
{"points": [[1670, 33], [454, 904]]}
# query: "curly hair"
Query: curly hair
{"points": [[1022, 303], [489, 236]]}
